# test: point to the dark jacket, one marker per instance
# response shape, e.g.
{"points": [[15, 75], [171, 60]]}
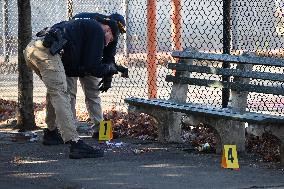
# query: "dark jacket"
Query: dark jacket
{"points": [[110, 50], [83, 52]]}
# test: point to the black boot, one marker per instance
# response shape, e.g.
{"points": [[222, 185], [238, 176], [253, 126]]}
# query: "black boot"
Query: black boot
{"points": [[95, 135], [96, 128], [52, 137], [82, 150]]}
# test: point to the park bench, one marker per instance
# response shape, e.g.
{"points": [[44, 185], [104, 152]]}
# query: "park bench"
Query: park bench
{"points": [[241, 78]]}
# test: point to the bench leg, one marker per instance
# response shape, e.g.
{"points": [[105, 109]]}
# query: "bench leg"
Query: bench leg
{"points": [[173, 125], [162, 125], [169, 125], [231, 132]]}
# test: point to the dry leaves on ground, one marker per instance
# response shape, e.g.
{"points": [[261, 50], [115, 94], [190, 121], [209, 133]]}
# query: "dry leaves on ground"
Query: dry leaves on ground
{"points": [[8, 109], [267, 146], [140, 126], [199, 135]]}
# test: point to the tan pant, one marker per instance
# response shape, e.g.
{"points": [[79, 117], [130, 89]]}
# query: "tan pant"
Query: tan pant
{"points": [[51, 71], [92, 99]]}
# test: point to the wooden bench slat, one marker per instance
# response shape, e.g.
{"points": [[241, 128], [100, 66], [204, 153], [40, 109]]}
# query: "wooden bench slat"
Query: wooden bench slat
{"points": [[229, 58], [221, 84], [196, 109], [226, 72]]}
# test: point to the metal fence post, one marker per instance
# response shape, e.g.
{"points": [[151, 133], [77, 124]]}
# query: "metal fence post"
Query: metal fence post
{"points": [[6, 42], [226, 46], [235, 29], [152, 48], [126, 39], [69, 9], [176, 25]]}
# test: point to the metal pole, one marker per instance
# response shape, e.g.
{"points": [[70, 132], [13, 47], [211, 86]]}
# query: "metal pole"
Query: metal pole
{"points": [[126, 41], [69, 9], [235, 29], [152, 49], [6, 40], [226, 46], [176, 24]]}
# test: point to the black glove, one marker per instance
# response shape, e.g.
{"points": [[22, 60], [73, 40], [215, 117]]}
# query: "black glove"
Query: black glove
{"points": [[112, 69], [105, 84], [123, 70]]}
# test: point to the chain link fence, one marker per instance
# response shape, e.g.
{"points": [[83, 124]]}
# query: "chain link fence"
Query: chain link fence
{"points": [[256, 26]]}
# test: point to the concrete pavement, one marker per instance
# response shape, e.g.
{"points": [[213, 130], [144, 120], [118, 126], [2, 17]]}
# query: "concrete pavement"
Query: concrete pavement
{"points": [[133, 164]]}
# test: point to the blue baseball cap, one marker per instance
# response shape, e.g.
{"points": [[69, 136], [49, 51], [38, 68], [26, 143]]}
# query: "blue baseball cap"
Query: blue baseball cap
{"points": [[120, 22]]}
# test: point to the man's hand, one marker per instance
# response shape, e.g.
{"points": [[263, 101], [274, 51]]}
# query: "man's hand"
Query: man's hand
{"points": [[123, 70], [112, 69], [105, 84]]}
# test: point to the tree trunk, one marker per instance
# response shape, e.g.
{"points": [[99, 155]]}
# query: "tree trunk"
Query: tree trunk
{"points": [[25, 114]]}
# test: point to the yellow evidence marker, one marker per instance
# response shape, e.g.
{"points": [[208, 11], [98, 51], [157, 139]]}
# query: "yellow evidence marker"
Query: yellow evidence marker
{"points": [[105, 132], [230, 157]]}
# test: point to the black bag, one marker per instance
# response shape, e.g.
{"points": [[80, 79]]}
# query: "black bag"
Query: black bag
{"points": [[53, 40]]}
